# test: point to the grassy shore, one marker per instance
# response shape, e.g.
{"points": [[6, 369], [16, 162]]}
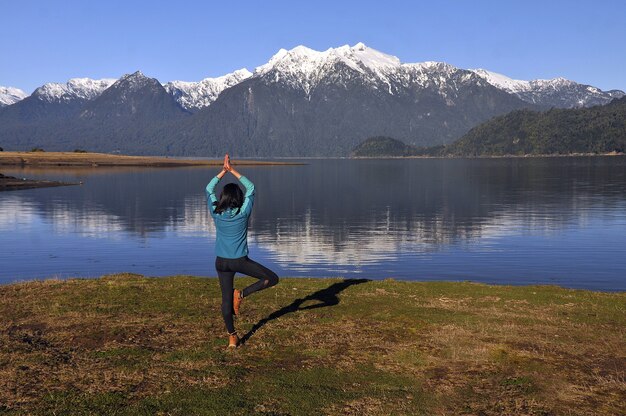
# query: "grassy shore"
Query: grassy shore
{"points": [[126, 344], [105, 159]]}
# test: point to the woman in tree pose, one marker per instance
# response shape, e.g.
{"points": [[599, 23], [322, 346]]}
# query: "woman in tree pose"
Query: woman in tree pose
{"points": [[231, 213]]}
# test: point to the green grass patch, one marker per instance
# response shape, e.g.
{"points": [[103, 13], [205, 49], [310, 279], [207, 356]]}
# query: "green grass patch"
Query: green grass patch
{"points": [[127, 345]]}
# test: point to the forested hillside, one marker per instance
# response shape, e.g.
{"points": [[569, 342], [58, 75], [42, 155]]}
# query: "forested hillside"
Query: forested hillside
{"points": [[599, 129]]}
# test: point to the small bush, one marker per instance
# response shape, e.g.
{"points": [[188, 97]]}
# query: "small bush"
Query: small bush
{"points": [[37, 149], [79, 151]]}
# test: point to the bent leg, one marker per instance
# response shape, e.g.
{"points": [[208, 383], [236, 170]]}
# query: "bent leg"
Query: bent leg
{"points": [[267, 278], [226, 284]]}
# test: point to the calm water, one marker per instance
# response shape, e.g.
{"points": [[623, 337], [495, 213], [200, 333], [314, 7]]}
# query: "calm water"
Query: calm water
{"points": [[514, 221]]}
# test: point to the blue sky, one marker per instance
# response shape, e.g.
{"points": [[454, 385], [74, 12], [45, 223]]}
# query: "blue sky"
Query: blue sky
{"points": [[44, 41]]}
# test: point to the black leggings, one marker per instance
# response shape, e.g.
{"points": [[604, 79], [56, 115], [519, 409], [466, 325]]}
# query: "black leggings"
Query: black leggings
{"points": [[226, 269]]}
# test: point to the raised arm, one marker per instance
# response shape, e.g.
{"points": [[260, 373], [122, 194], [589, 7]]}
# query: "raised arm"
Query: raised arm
{"points": [[210, 188], [248, 200]]}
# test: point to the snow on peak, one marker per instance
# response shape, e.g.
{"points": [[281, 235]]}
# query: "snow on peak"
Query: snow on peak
{"points": [[10, 95], [516, 86], [134, 82], [305, 67], [75, 88], [305, 61], [559, 92], [197, 95], [134, 75], [558, 82], [502, 81], [431, 67], [372, 58]]}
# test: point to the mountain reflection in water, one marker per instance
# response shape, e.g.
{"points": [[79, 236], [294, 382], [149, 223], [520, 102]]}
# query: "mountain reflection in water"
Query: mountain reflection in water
{"points": [[544, 220]]}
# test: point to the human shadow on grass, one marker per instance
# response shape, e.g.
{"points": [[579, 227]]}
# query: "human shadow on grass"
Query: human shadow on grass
{"points": [[326, 297]]}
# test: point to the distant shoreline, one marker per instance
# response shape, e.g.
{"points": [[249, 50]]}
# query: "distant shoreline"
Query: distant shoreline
{"points": [[528, 156], [50, 159], [69, 159]]}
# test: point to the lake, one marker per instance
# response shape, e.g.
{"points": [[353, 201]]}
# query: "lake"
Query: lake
{"points": [[510, 221]]}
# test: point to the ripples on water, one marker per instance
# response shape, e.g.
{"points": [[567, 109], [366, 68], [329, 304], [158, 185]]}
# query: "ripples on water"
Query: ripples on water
{"points": [[520, 221]]}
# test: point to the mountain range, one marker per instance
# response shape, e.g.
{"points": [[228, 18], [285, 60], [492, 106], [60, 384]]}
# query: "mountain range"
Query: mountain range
{"points": [[300, 103]]}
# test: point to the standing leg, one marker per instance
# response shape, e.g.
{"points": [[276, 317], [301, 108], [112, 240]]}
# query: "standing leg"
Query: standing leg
{"points": [[267, 278], [226, 284]]}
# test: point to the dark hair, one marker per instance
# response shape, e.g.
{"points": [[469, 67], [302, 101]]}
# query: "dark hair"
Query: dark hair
{"points": [[231, 197]]}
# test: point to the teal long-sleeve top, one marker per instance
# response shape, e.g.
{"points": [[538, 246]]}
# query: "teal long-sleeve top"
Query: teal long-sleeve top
{"points": [[232, 224]]}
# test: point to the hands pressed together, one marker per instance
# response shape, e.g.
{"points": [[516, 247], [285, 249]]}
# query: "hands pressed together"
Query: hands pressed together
{"points": [[228, 168]]}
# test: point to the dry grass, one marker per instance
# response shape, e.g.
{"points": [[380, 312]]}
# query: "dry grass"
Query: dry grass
{"points": [[104, 159], [126, 344]]}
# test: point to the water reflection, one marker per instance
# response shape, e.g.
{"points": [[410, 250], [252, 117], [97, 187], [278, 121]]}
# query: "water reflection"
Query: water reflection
{"points": [[401, 217]]}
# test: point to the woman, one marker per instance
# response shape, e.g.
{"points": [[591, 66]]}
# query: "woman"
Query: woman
{"points": [[231, 213]]}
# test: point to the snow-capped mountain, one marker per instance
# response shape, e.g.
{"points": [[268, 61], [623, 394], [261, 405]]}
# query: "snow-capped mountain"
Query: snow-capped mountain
{"points": [[306, 68], [133, 96], [556, 92], [302, 102], [51, 103], [134, 82], [196, 95], [311, 103], [10, 95], [502, 81], [75, 88]]}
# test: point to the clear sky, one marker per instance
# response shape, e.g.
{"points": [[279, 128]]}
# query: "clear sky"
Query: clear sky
{"points": [[52, 40]]}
